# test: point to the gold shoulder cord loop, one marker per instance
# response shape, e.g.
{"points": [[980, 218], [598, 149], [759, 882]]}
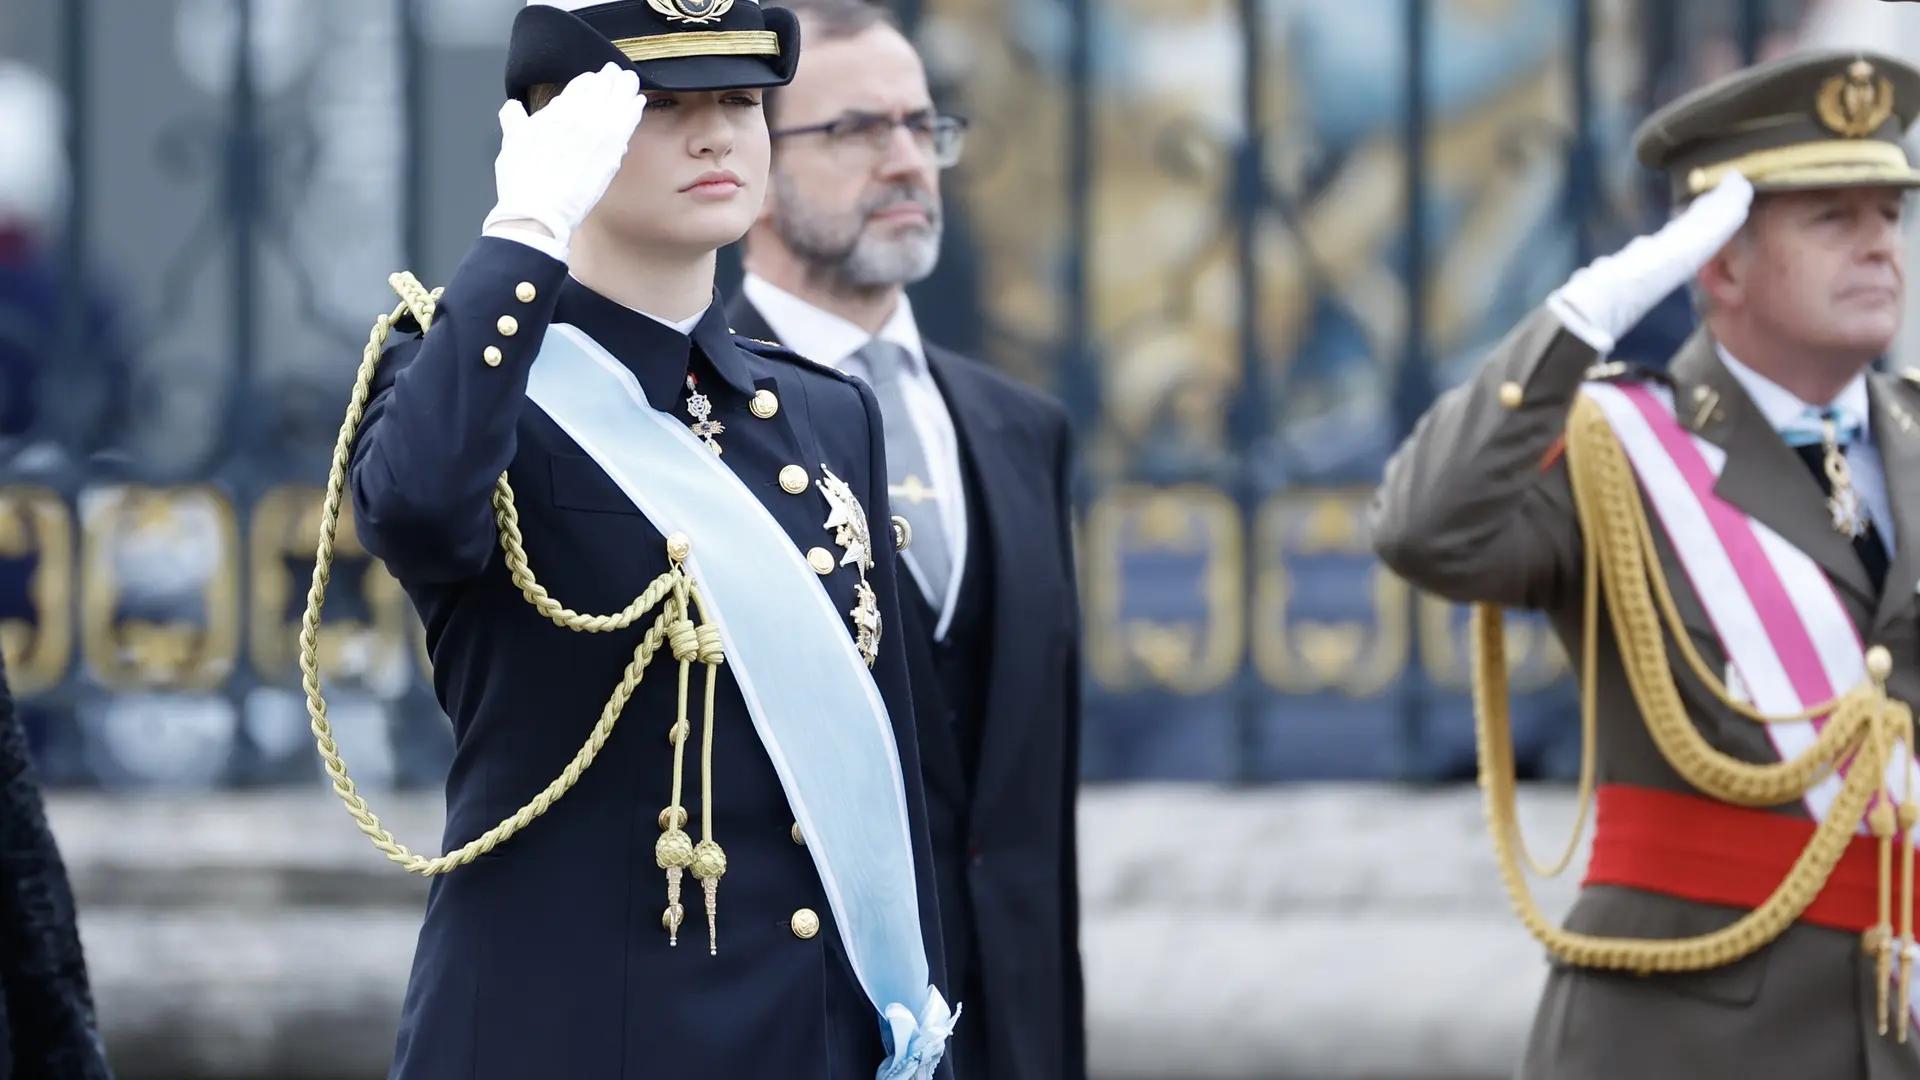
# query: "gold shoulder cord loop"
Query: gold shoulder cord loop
{"points": [[673, 592], [1863, 725]]}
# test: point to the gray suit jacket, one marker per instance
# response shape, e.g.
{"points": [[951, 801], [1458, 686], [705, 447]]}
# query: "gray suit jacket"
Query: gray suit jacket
{"points": [[1468, 512]]}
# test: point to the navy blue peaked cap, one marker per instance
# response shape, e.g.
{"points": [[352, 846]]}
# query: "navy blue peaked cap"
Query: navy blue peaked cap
{"points": [[671, 44]]}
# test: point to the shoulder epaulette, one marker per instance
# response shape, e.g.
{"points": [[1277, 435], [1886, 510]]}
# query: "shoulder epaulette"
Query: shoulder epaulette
{"points": [[773, 350], [1623, 371]]}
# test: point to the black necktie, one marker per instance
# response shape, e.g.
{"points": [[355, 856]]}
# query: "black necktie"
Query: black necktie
{"points": [[1868, 545]]}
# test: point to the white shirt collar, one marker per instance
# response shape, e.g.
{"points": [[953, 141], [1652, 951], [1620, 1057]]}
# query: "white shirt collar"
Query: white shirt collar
{"points": [[822, 336], [1782, 407], [685, 326]]}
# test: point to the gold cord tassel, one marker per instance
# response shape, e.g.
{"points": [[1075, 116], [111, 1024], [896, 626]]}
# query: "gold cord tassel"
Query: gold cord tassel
{"points": [[673, 852], [709, 864], [709, 861], [1881, 818], [1891, 822], [1909, 813]]}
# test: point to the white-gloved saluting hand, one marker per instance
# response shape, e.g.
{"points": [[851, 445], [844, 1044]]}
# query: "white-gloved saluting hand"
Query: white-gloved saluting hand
{"points": [[1613, 293], [555, 165]]}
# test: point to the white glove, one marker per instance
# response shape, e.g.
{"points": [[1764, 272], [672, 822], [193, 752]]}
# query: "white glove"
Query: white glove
{"points": [[555, 165], [1613, 293]]}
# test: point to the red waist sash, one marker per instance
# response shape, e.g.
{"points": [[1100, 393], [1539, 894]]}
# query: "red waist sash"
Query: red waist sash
{"points": [[1694, 848]]}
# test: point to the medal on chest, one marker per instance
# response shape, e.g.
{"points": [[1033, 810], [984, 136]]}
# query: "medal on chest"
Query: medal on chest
{"points": [[1844, 503], [848, 519], [701, 409]]}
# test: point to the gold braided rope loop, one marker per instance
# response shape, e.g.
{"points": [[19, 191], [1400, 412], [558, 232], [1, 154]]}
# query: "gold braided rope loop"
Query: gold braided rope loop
{"points": [[1863, 729], [672, 591]]}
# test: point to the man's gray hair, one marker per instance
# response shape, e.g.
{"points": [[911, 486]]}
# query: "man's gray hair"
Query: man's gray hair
{"points": [[830, 20], [834, 19]]}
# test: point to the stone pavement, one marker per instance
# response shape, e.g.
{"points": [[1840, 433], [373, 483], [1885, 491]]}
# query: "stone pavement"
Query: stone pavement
{"points": [[1298, 933]]}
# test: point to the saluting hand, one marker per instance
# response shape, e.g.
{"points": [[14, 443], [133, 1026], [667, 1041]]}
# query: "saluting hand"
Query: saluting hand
{"points": [[1609, 296], [555, 165]]}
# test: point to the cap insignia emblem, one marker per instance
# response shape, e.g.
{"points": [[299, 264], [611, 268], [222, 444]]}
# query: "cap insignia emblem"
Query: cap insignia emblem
{"points": [[1854, 104], [691, 11]]}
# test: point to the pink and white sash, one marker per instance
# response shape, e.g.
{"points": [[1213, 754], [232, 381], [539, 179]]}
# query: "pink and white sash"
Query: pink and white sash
{"points": [[1786, 633]]}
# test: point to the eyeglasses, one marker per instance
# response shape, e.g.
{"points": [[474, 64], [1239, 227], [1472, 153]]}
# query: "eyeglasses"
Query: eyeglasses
{"points": [[938, 136]]}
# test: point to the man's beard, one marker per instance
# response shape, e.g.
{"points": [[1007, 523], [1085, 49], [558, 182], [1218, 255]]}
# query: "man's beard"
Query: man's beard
{"points": [[841, 251]]}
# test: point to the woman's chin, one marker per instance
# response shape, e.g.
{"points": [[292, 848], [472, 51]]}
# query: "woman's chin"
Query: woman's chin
{"points": [[699, 224]]}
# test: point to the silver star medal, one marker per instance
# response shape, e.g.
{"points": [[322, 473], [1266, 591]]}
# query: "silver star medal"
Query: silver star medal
{"points": [[702, 412], [848, 520]]}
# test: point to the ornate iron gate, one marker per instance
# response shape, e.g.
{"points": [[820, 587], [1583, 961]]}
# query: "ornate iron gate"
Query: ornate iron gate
{"points": [[1187, 217]]}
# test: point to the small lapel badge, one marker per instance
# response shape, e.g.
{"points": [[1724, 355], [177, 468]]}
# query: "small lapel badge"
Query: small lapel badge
{"points": [[1706, 399]]}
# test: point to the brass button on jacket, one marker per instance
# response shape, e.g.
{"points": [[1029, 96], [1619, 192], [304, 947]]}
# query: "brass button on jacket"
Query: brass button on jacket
{"points": [[805, 924]]}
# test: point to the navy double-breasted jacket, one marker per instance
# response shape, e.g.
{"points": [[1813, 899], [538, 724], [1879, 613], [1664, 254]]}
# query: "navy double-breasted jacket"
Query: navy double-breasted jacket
{"points": [[547, 957]]}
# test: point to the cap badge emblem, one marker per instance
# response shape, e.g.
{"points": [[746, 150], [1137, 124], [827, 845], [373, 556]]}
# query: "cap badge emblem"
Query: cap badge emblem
{"points": [[691, 11], [1857, 103]]}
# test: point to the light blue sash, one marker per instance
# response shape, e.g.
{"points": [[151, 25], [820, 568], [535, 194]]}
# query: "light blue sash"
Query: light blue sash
{"points": [[813, 701]]}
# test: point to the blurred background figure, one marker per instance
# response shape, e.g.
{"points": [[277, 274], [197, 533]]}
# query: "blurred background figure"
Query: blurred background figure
{"points": [[49, 395], [48, 1030], [982, 471]]}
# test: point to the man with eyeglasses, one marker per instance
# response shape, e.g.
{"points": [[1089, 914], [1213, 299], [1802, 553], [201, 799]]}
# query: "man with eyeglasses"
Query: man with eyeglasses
{"points": [[979, 466]]}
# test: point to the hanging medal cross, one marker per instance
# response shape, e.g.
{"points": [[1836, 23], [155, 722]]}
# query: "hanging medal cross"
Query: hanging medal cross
{"points": [[1844, 503], [702, 412], [848, 520]]}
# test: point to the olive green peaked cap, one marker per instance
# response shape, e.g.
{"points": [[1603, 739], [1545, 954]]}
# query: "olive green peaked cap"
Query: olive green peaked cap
{"points": [[1810, 120]]}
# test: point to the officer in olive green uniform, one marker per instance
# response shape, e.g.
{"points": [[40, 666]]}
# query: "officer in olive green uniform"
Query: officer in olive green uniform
{"points": [[1801, 464]]}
